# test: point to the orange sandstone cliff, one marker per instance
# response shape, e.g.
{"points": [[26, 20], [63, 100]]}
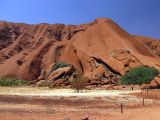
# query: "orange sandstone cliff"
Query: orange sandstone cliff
{"points": [[100, 50]]}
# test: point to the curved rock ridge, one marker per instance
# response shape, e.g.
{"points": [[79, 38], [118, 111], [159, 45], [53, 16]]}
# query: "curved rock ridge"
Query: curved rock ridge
{"points": [[152, 44], [100, 50]]}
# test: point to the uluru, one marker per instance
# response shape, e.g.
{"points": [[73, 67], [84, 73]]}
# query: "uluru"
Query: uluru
{"points": [[100, 50], [79, 59]]}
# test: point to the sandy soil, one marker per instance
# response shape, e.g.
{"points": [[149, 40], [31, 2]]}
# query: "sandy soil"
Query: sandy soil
{"points": [[46, 104]]}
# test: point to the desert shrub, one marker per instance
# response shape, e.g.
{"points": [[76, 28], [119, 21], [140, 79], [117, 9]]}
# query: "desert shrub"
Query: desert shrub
{"points": [[60, 65], [139, 75], [78, 82], [10, 81]]}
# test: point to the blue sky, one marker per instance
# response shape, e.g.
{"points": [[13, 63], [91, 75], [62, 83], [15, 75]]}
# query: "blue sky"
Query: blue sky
{"points": [[135, 16]]}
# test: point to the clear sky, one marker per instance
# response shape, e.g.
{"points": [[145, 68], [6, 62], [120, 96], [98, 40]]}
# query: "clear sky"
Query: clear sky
{"points": [[135, 16]]}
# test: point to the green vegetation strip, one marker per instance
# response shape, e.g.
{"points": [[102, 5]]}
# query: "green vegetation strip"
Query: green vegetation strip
{"points": [[9, 81]]}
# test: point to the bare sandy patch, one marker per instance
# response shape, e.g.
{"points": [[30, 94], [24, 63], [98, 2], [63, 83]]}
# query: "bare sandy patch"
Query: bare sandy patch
{"points": [[57, 104]]}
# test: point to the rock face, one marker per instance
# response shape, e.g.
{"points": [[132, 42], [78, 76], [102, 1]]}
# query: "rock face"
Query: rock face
{"points": [[155, 83], [150, 43], [100, 50]]}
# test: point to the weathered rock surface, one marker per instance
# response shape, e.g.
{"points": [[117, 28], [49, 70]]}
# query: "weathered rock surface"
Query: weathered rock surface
{"points": [[152, 44], [155, 83], [100, 50]]}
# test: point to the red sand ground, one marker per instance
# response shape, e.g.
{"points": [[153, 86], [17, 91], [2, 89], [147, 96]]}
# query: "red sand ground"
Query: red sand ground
{"points": [[142, 113], [39, 108]]}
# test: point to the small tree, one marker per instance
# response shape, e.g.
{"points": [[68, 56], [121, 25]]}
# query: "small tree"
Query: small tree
{"points": [[78, 82], [139, 76]]}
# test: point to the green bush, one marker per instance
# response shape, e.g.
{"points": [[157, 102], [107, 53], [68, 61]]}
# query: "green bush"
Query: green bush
{"points": [[60, 65], [138, 76], [9, 81]]}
